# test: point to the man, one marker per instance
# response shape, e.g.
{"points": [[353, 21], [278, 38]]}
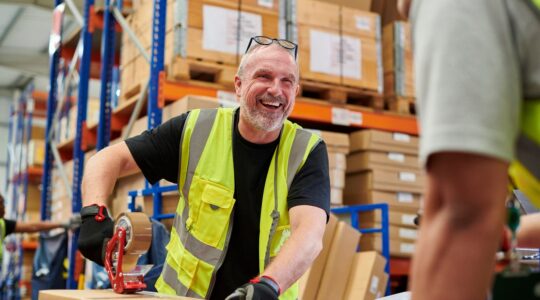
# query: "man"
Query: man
{"points": [[8, 227], [478, 77], [254, 187]]}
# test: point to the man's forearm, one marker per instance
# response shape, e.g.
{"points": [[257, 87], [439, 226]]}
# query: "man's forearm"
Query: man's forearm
{"points": [[295, 257], [102, 171], [460, 229], [36, 226]]}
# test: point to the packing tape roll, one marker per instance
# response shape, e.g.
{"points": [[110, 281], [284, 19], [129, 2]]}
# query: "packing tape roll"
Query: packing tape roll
{"points": [[138, 237]]}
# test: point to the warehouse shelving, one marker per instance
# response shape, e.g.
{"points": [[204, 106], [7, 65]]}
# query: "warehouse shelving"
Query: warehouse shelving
{"points": [[19, 175], [160, 91]]}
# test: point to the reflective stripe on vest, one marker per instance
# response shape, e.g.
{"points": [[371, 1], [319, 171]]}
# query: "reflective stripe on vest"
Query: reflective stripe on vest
{"points": [[203, 221]]}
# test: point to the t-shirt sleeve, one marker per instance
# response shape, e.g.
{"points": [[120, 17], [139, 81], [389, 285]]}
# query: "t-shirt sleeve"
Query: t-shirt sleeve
{"points": [[157, 151], [467, 77], [311, 185], [10, 226]]}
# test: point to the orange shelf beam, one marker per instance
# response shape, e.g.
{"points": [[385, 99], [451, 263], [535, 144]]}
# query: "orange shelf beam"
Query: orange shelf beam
{"points": [[314, 111], [29, 245]]}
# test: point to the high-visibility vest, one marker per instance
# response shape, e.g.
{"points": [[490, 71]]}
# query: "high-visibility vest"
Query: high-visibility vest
{"points": [[203, 222], [525, 169]]}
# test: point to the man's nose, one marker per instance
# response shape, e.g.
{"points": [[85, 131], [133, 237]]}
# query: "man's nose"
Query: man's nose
{"points": [[275, 89]]}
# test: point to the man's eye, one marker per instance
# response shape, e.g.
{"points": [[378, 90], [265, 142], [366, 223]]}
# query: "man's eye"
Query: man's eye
{"points": [[264, 76]]}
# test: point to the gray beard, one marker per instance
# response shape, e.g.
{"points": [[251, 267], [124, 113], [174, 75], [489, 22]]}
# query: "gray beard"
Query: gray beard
{"points": [[260, 120]]}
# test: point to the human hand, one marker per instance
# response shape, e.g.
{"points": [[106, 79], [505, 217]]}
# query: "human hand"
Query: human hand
{"points": [[259, 288], [96, 229]]}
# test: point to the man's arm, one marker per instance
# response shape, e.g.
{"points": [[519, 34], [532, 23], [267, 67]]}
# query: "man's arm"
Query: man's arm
{"points": [[300, 250], [461, 226], [102, 171], [21, 227]]}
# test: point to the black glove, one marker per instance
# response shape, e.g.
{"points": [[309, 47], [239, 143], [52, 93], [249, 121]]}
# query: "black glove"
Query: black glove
{"points": [[96, 229], [260, 288]]}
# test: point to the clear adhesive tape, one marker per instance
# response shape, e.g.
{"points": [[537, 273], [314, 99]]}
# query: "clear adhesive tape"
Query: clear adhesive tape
{"points": [[138, 237]]}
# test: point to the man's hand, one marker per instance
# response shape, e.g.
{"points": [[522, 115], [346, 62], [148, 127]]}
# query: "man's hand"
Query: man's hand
{"points": [[96, 229], [260, 288]]}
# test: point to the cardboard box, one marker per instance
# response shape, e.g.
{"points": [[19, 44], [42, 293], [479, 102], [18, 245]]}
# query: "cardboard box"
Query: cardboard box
{"points": [[331, 57], [333, 139], [337, 178], [357, 4], [318, 13], [361, 23], [337, 160], [397, 218], [369, 160], [389, 180], [188, 103], [367, 278], [398, 248], [399, 233], [397, 201], [336, 196], [338, 265], [398, 60], [309, 283], [100, 294], [383, 141], [36, 153]]}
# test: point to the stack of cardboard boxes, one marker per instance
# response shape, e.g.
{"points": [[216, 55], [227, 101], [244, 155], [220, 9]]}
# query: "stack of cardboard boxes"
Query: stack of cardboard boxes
{"points": [[383, 168], [398, 67], [203, 37], [339, 272], [338, 44], [337, 145]]}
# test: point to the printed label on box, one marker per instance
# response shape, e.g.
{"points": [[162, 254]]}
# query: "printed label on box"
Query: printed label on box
{"points": [[405, 197], [401, 137], [362, 23], [374, 284], [352, 57], [266, 3], [220, 29], [340, 116], [407, 176], [324, 56], [406, 248], [408, 219], [399, 157], [408, 233]]}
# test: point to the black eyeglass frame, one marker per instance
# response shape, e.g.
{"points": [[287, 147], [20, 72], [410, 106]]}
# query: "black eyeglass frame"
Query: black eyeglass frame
{"points": [[272, 40]]}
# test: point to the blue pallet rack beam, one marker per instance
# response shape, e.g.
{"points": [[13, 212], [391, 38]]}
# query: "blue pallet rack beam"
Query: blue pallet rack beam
{"points": [[78, 153]]}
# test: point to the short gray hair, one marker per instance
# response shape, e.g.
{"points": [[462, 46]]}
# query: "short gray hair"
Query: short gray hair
{"points": [[245, 58]]}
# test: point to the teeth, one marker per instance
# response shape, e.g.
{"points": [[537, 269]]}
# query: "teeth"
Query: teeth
{"points": [[274, 104]]}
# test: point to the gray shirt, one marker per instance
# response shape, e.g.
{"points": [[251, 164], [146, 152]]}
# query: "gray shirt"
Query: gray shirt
{"points": [[475, 62]]}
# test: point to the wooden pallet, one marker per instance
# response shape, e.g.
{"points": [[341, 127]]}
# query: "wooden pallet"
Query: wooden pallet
{"points": [[339, 94], [401, 105], [196, 70]]}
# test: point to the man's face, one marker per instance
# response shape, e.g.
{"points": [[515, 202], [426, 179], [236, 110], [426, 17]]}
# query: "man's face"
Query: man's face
{"points": [[268, 88]]}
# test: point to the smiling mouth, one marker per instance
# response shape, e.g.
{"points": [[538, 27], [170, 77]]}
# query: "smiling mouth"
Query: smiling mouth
{"points": [[273, 105]]}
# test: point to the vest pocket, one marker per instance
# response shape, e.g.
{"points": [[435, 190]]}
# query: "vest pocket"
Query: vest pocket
{"points": [[211, 218]]}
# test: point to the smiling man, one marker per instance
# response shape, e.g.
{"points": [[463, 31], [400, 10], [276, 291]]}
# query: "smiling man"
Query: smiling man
{"points": [[254, 187]]}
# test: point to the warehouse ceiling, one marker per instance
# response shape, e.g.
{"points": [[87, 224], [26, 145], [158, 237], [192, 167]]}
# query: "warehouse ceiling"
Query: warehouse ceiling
{"points": [[25, 26]]}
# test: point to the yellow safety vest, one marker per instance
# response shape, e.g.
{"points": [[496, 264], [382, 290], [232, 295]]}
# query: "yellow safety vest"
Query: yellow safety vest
{"points": [[203, 221], [525, 170]]}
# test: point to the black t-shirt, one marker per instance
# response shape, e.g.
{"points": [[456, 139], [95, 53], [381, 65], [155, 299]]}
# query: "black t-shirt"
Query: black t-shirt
{"points": [[10, 226], [156, 152]]}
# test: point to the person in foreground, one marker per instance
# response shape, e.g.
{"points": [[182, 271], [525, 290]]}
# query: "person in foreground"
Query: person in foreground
{"points": [[477, 69], [254, 187]]}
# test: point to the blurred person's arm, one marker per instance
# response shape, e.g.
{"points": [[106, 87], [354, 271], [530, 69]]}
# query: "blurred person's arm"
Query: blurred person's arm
{"points": [[528, 234], [468, 98]]}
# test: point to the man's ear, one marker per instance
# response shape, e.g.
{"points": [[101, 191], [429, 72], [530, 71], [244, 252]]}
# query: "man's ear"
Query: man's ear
{"points": [[237, 86], [297, 92]]}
